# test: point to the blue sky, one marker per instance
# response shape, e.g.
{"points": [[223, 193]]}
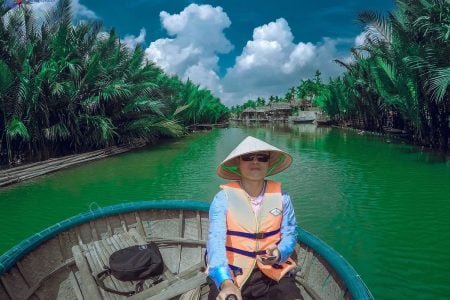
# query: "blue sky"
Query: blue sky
{"points": [[238, 49]]}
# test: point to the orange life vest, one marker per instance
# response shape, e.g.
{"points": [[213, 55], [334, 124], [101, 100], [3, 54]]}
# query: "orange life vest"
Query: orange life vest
{"points": [[249, 235]]}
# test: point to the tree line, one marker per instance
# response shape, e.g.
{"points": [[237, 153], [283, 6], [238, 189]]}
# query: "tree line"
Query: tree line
{"points": [[402, 71], [308, 89], [69, 88], [398, 78]]}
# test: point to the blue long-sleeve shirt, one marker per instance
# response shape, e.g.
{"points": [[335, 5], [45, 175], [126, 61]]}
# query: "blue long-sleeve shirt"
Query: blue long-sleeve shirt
{"points": [[217, 259]]}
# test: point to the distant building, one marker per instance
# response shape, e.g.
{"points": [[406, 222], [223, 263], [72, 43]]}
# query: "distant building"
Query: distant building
{"points": [[254, 114], [279, 111], [275, 111]]}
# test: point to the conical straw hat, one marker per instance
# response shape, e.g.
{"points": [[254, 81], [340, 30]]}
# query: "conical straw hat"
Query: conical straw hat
{"points": [[279, 160]]}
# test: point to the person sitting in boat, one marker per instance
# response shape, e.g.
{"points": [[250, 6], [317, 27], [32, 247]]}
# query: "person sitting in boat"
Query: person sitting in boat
{"points": [[252, 227]]}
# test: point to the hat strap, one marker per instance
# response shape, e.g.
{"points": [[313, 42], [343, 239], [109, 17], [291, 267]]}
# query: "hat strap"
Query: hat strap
{"points": [[232, 169], [275, 165]]}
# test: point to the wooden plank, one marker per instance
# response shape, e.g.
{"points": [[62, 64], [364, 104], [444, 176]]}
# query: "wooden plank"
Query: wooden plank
{"points": [[156, 289], [128, 240], [140, 226], [66, 291], [312, 293], [79, 282], [109, 281], [176, 240], [23, 273], [123, 222], [95, 235], [181, 287], [91, 263], [32, 290], [107, 252], [3, 292], [76, 287], [80, 241], [304, 272], [91, 290], [95, 264], [108, 226], [114, 243], [13, 283], [137, 236], [190, 254], [199, 233], [181, 234]]}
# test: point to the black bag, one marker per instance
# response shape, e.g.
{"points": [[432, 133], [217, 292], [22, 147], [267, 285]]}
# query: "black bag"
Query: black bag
{"points": [[135, 263]]}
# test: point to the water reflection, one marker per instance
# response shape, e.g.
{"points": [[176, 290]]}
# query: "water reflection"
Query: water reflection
{"points": [[384, 206]]}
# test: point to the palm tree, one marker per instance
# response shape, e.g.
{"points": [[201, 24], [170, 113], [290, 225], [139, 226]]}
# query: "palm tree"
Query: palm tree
{"points": [[66, 88]]}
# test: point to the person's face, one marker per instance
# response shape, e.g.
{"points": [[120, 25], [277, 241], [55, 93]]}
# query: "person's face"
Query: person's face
{"points": [[254, 166]]}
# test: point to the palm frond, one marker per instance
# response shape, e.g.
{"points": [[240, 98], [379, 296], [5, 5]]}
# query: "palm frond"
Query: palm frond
{"points": [[15, 128], [101, 126], [57, 132], [6, 78], [143, 104], [378, 27], [439, 82]]}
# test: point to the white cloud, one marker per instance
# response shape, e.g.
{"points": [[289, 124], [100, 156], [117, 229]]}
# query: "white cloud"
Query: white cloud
{"points": [[206, 77], [361, 38], [132, 41], [197, 39], [80, 11], [42, 8], [269, 64]]}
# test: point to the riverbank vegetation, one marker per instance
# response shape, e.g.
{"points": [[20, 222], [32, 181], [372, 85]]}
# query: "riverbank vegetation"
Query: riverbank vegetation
{"points": [[400, 76], [67, 88], [397, 81]]}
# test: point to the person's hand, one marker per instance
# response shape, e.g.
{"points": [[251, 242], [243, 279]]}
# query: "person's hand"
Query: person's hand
{"points": [[272, 256], [228, 288]]}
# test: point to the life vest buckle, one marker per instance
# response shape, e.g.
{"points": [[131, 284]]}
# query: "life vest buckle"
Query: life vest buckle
{"points": [[259, 236], [236, 270]]}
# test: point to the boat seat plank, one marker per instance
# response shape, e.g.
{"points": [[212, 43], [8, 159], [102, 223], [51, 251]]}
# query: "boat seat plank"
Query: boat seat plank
{"points": [[96, 256], [95, 265], [176, 240], [70, 289], [115, 283], [158, 288], [181, 287], [76, 286], [103, 259], [88, 283]]}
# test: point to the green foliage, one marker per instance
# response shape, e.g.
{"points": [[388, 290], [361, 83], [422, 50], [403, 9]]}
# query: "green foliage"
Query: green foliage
{"points": [[17, 129], [68, 88], [402, 67]]}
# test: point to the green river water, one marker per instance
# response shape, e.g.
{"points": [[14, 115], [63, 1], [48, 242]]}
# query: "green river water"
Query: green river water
{"points": [[384, 206]]}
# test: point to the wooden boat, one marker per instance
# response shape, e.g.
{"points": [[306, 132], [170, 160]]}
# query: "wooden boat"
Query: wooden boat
{"points": [[394, 131], [60, 262], [303, 119], [221, 125], [323, 122]]}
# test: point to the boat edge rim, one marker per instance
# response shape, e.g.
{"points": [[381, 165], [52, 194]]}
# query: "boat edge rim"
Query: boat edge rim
{"points": [[354, 283]]}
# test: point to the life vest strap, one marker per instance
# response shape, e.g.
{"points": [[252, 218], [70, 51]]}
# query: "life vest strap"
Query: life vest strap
{"points": [[257, 236], [236, 270], [252, 254]]}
